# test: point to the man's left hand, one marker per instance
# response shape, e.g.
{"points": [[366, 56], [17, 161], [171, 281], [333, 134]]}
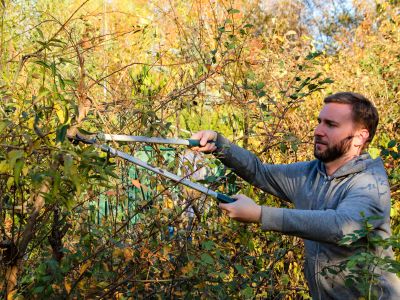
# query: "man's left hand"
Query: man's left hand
{"points": [[243, 209]]}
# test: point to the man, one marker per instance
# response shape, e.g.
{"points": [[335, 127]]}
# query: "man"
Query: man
{"points": [[328, 193]]}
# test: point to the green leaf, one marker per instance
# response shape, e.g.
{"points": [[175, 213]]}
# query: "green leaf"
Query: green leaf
{"points": [[283, 147], [250, 75], [83, 131], [316, 76], [38, 290], [53, 68], [233, 11], [333, 271], [57, 41], [285, 279], [241, 270], [207, 245], [395, 155], [391, 144], [42, 63], [52, 44], [384, 152], [313, 55], [351, 264], [68, 162], [247, 292], [349, 282], [312, 86], [19, 164], [43, 92], [260, 85], [261, 94], [207, 259], [326, 80], [4, 124], [40, 33], [231, 46], [61, 133], [13, 156], [69, 82], [61, 81]]}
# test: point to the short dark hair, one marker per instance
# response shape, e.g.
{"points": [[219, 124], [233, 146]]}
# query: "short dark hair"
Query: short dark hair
{"points": [[364, 113]]}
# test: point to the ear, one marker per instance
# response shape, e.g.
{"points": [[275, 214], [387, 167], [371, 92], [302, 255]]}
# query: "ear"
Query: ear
{"points": [[361, 137]]}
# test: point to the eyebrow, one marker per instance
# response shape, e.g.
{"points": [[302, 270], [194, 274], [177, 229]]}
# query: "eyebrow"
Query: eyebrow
{"points": [[330, 122]]}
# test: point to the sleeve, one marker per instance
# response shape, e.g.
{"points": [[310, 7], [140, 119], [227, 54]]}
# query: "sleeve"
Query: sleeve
{"points": [[279, 180], [368, 196]]}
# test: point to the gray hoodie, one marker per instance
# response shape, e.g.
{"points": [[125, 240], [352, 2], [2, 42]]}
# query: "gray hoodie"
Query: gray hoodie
{"points": [[326, 209]]}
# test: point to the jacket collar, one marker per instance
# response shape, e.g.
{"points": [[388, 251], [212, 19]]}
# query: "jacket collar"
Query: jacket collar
{"points": [[356, 165]]}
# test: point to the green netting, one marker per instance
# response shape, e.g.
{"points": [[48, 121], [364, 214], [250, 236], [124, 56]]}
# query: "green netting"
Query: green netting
{"points": [[108, 206], [123, 207]]}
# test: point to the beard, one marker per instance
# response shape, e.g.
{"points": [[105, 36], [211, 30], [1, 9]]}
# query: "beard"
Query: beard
{"points": [[332, 152]]}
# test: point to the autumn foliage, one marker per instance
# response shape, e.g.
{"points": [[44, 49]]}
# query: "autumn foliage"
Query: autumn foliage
{"points": [[78, 223]]}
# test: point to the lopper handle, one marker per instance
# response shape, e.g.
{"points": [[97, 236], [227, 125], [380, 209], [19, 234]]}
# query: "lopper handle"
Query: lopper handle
{"points": [[224, 198], [196, 143]]}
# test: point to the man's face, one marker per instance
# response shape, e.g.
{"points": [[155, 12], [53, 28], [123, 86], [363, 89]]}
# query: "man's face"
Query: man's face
{"points": [[334, 134]]}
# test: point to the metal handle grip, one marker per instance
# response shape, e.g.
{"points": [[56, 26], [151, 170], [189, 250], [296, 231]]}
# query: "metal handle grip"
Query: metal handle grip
{"points": [[196, 143], [224, 198]]}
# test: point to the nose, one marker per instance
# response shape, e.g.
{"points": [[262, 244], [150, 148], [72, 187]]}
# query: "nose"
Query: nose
{"points": [[318, 131]]}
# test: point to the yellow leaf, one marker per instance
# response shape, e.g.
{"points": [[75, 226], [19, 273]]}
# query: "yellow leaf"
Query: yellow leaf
{"points": [[165, 274], [55, 287], [160, 188], [188, 268], [168, 203], [128, 254], [279, 38], [166, 250], [4, 166], [84, 267], [60, 113], [137, 184], [83, 284], [105, 266], [10, 295], [10, 182], [118, 252], [31, 123], [67, 286], [25, 170]]}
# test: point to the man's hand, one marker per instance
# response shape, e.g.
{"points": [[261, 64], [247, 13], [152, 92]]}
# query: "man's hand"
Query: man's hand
{"points": [[243, 209], [204, 136]]}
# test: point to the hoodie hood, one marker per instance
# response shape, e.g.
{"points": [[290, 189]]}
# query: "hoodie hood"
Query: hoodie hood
{"points": [[356, 165]]}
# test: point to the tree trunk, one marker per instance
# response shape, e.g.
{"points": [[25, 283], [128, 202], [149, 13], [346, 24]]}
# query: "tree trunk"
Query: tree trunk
{"points": [[15, 260], [57, 233]]}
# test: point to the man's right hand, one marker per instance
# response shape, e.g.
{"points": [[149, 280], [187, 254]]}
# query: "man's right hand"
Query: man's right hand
{"points": [[205, 136]]}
